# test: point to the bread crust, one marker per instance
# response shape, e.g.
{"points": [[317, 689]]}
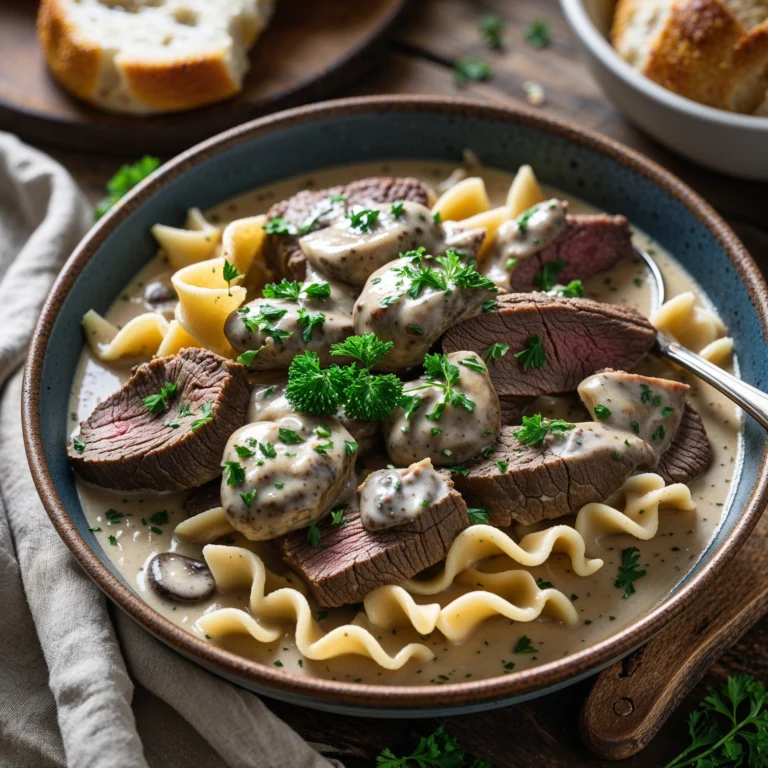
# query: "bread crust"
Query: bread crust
{"points": [[145, 86], [74, 63], [698, 49]]}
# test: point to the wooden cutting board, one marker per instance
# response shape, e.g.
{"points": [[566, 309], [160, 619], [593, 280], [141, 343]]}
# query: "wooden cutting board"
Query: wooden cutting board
{"points": [[310, 47]]}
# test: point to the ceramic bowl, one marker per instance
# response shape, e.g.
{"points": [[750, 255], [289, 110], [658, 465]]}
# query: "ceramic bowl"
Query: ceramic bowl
{"points": [[724, 141], [303, 140]]}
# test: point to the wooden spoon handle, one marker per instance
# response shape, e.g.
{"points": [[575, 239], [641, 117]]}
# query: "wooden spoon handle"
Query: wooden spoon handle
{"points": [[632, 699]]}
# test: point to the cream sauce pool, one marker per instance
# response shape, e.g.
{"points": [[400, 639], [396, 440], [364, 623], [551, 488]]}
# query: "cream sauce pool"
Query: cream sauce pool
{"points": [[132, 528]]}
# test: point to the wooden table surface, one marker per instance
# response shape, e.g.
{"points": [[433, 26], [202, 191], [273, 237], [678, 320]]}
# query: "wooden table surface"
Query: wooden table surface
{"points": [[431, 36]]}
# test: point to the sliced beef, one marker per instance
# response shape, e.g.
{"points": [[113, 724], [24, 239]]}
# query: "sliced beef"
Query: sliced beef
{"points": [[282, 252], [350, 561], [124, 445], [202, 499], [589, 245], [513, 408], [554, 478], [690, 453], [579, 337]]}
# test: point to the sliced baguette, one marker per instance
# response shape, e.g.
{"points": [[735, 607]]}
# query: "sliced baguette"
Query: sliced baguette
{"points": [[145, 56], [712, 51]]}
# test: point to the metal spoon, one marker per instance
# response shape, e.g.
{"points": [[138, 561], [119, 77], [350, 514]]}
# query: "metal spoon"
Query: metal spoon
{"points": [[752, 400]]}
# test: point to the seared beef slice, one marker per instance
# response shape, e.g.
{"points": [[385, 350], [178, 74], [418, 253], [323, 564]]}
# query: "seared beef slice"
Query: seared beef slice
{"points": [[589, 245], [350, 561], [282, 252], [128, 447], [579, 337], [555, 478], [690, 453]]}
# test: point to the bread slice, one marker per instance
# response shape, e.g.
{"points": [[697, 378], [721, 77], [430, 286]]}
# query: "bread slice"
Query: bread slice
{"points": [[148, 56], [712, 51]]}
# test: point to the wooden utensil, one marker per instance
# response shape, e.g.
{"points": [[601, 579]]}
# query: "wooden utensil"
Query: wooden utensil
{"points": [[632, 699], [308, 49]]}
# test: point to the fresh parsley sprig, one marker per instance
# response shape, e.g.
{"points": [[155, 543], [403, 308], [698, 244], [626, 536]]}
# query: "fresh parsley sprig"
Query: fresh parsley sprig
{"points": [[444, 375], [532, 355], [438, 750], [628, 571], [124, 181], [729, 727], [535, 429], [156, 404], [323, 391], [262, 319], [230, 273]]}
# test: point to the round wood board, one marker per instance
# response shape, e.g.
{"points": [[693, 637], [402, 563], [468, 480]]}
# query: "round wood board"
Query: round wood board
{"points": [[309, 48]]}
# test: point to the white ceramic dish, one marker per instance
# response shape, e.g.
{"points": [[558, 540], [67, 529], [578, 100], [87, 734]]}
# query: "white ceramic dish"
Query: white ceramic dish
{"points": [[727, 142]]}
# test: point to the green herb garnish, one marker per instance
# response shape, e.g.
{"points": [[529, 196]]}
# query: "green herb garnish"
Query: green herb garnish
{"points": [[234, 473], [492, 30], [230, 273], [308, 321], [495, 352], [533, 355], [546, 277], [535, 429], [124, 181], [536, 34], [471, 68], [602, 412], [524, 645], [313, 535], [628, 573], [479, 515]]}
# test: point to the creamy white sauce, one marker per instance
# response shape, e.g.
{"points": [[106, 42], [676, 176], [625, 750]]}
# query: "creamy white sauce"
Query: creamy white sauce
{"points": [[682, 536], [391, 497]]}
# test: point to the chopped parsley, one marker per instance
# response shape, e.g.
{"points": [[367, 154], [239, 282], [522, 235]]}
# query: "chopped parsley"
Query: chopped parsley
{"points": [[541, 584], [417, 329], [337, 516], [397, 209], [667, 410], [458, 470], [248, 497], [206, 414], [574, 290], [602, 412], [635, 427], [647, 394], [323, 448], [479, 515], [310, 320], [443, 375], [535, 429], [489, 305], [288, 436], [157, 404], [113, 540], [268, 451], [234, 473], [159, 518], [350, 447], [495, 352], [533, 355], [628, 571], [127, 177], [502, 465], [364, 220], [437, 217], [536, 34], [524, 645], [473, 364], [492, 31], [230, 273], [291, 290], [280, 226], [658, 434], [471, 68], [262, 319], [78, 445], [546, 277], [313, 536]]}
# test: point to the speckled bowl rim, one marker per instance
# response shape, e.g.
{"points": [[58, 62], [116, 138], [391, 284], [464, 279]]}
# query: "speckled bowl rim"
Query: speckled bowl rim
{"points": [[285, 684]]}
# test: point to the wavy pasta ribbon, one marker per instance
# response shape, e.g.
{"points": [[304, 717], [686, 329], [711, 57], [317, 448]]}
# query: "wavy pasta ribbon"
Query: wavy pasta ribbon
{"points": [[140, 337], [204, 527], [694, 327], [196, 242], [481, 541], [234, 567], [643, 495], [205, 302], [513, 594]]}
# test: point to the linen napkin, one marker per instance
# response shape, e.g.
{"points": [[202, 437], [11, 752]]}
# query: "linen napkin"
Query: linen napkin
{"points": [[68, 672]]}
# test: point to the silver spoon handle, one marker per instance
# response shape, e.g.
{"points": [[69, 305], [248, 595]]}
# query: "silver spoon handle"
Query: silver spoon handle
{"points": [[752, 400]]}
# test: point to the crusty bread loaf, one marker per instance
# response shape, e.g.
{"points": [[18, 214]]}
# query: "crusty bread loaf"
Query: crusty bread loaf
{"points": [[712, 51], [144, 56]]}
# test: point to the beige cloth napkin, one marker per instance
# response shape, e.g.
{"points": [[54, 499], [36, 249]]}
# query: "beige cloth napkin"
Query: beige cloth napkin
{"points": [[68, 674]]}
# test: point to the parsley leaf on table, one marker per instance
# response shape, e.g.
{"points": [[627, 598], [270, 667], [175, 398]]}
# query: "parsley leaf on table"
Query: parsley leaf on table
{"points": [[124, 181]]}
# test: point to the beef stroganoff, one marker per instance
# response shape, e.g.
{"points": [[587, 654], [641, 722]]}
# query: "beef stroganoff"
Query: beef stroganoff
{"points": [[385, 435]]}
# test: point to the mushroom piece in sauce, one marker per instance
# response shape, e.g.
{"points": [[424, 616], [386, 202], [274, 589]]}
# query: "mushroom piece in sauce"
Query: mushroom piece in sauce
{"points": [[402, 305], [283, 475], [179, 578], [447, 433], [391, 497]]}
